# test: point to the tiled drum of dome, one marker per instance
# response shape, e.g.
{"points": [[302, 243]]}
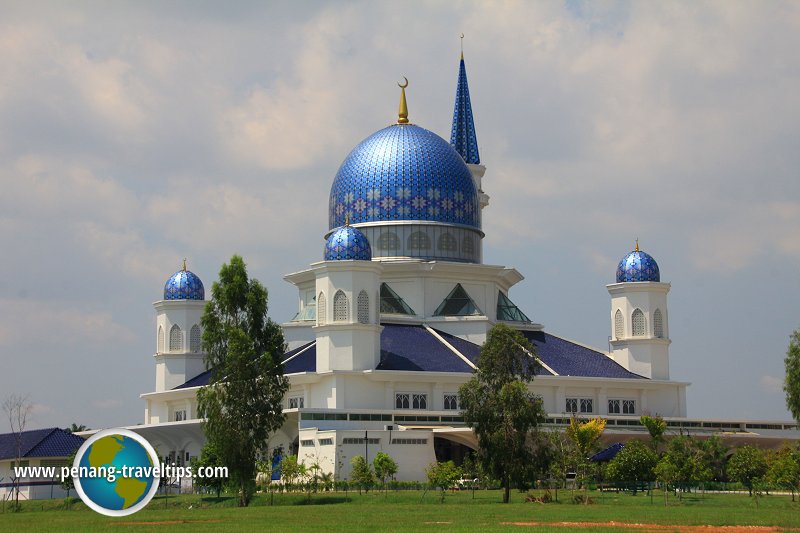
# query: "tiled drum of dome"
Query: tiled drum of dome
{"points": [[184, 285], [347, 243], [638, 266], [404, 172]]}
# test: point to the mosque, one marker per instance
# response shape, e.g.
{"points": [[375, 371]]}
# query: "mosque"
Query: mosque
{"points": [[390, 323]]}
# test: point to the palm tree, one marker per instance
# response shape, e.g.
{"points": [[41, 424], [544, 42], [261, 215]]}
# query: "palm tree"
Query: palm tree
{"points": [[585, 436]]}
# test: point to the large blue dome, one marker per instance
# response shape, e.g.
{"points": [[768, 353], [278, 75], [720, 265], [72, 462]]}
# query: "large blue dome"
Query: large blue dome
{"points": [[347, 243], [638, 266], [184, 285], [402, 173]]}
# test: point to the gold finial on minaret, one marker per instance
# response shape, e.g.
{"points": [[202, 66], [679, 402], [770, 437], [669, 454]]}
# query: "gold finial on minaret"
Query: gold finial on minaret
{"points": [[462, 46], [347, 219], [402, 113], [184, 264], [637, 244]]}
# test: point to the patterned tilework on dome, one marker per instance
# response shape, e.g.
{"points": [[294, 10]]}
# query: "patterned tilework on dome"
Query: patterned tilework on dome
{"points": [[404, 172], [347, 243], [462, 136], [184, 285], [638, 266]]}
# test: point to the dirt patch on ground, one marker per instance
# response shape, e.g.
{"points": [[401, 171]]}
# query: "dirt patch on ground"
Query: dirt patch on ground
{"points": [[655, 528], [165, 522]]}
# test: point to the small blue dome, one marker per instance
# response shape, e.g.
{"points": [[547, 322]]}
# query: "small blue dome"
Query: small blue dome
{"points": [[404, 172], [184, 285], [638, 266], [347, 243]]}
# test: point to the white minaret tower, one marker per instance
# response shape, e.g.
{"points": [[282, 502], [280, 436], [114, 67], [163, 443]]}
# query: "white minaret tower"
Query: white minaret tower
{"points": [[639, 320], [348, 330], [179, 353]]}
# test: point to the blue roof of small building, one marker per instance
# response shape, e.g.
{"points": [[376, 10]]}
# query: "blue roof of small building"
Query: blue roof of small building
{"points": [[608, 454], [301, 359], [199, 380], [49, 442]]}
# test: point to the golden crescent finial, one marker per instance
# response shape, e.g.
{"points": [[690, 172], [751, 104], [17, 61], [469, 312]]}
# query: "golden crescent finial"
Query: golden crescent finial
{"points": [[637, 244], [462, 46], [184, 264], [402, 113], [347, 219]]}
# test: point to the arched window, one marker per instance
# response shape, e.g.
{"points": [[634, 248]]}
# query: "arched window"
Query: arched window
{"points": [[175, 338], [321, 310], [195, 339], [419, 240], [658, 324], [619, 325], [447, 243], [388, 240], [363, 307], [467, 245], [340, 307], [639, 323], [160, 347]]}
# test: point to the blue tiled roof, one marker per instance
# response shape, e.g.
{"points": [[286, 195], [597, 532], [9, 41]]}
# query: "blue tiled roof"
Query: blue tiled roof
{"points": [[638, 266], [414, 348], [462, 136], [50, 442], [184, 285], [305, 362], [198, 381], [569, 359]]}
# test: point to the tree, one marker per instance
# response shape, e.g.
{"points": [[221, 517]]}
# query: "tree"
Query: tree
{"points": [[633, 464], [715, 453], [291, 470], [17, 408], [791, 384], [784, 468], [585, 436], [666, 473], [210, 458], [242, 404], [362, 475], [385, 467], [656, 426], [442, 475], [498, 407], [748, 466], [75, 428], [67, 483]]}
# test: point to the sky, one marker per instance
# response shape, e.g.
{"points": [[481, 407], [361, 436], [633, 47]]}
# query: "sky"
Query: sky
{"points": [[136, 134]]}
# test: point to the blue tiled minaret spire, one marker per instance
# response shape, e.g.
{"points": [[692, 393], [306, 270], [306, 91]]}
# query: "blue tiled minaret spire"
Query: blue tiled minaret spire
{"points": [[462, 136]]}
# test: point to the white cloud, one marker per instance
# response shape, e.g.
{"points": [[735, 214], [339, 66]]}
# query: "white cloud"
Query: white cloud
{"points": [[771, 384]]}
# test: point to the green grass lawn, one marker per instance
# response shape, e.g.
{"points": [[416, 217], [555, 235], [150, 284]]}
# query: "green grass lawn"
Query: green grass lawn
{"points": [[407, 511]]}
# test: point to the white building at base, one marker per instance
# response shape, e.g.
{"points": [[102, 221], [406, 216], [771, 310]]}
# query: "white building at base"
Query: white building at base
{"points": [[390, 323]]}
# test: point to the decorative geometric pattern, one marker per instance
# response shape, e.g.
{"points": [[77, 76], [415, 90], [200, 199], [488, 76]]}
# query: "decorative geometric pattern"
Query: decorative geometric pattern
{"points": [[363, 307], [462, 136], [639, 323], [184, 285], [347, 243], [175, 340], [638, 266], [341, 307], [658, 324], [160, 347], [195, 339], [321, 310], [404, 172], [619, 325]]}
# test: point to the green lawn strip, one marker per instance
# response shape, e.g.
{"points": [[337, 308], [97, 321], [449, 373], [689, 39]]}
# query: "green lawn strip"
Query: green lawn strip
{"points": [[407, 511]]}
